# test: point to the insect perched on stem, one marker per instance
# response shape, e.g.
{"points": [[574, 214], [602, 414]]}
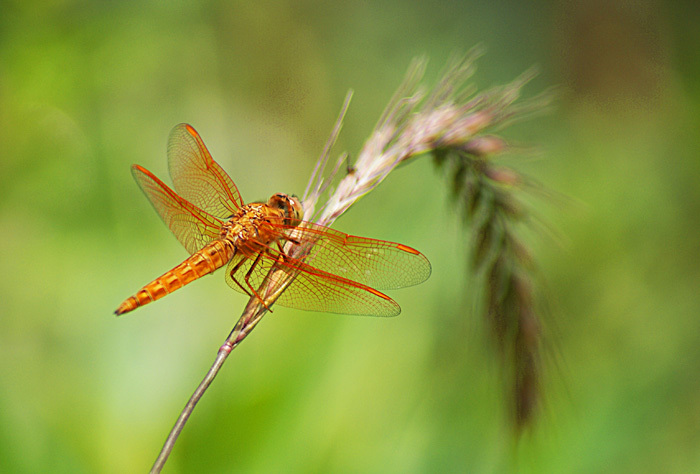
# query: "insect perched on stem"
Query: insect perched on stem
{"points": [[336, 273]]}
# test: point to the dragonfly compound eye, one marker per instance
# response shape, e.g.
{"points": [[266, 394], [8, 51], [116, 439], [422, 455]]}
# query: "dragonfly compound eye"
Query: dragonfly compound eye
{"points": [[289, 205], [296, 208]]}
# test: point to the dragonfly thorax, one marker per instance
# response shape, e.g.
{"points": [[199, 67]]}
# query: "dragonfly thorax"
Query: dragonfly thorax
{"points": [[244, 224], [256, 225]]}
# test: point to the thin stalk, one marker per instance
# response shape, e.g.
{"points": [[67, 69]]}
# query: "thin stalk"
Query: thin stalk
{"points": [[224, 351]]}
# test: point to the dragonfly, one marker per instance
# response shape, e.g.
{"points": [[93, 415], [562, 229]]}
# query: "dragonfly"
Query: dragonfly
{"points": [[336, 272]]}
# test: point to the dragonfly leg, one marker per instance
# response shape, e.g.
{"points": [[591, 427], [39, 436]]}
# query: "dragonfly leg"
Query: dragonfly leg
{"points": [[294, 241], [283, 254], [281, 248], [247, 280], [232, 273]]}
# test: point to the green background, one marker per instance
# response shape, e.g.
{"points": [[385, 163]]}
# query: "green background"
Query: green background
{"points": [[87, 88]]}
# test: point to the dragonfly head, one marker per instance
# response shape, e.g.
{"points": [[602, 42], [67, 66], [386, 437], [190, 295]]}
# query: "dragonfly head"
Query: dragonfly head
{"points": [[291, 208]]}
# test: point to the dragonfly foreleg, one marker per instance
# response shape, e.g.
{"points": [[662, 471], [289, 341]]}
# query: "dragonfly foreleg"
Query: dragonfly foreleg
{"points": [[283, 255]]}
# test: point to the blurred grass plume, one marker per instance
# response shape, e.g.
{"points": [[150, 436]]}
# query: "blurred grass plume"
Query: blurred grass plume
{"points": [[452, 123]]}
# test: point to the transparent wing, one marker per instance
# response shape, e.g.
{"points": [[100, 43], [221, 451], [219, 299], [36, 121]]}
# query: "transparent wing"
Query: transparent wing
{"points": [[193, 227], [197, 177], [375, 263], [312, 289]]}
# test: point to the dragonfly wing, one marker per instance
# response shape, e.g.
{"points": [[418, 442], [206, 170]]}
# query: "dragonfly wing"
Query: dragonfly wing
{"points": [[197, 177], [193, 227], [312, 289], [376, 263]]}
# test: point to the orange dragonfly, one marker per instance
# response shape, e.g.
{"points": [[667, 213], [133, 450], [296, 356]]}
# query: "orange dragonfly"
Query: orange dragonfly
{"points": [[340, 273]]}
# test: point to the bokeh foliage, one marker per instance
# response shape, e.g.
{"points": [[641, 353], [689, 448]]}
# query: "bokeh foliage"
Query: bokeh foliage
{"points": [[87, 88]]}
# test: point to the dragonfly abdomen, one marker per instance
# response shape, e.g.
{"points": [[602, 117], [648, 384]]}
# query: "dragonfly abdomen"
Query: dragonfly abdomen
{"points": [[214, 255]]}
